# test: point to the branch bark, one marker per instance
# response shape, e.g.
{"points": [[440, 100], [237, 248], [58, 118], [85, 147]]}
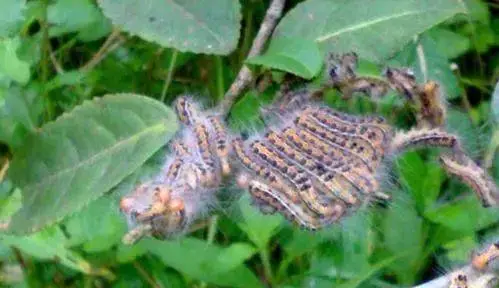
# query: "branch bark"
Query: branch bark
{"points": [[245, 76]]}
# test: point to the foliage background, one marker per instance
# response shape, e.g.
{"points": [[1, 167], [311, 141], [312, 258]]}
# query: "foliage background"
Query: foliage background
{"points": [[50, 64]]}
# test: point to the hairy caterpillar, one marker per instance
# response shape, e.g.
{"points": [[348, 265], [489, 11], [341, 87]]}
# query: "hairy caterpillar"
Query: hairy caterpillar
{"points": [[186, 185]]}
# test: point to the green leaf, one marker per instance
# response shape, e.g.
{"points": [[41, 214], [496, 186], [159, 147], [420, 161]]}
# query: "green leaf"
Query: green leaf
{"points": [[9, 205], [426, 61], [355, 243], [459, 250], [423, 180], [206, 262], [11, 17], [466, 215], [404, 234], [203, 26], [11, 67], [128, 253], [66, 78], [349, 255], [75, 159], [374, 29], [99, 226], [483, 37], [24, 105], [449, 43], [460, 124], [96, 30], [48, 245], [297, 56], [477, 10], [259, 228], [72, 15], [301, 242]]}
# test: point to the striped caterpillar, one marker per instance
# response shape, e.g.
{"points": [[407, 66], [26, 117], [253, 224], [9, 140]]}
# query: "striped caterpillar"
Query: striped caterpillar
{"points": [[320, 164], [314, 167], [182, 191]]}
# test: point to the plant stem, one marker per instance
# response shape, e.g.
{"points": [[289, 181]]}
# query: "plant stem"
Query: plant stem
{"points": [[248, 27], [145, 275], [267, 267], [168, 79], [109, 45], [491, 150], [4, 168], [45, 61], [220, 78], [212, 230]]}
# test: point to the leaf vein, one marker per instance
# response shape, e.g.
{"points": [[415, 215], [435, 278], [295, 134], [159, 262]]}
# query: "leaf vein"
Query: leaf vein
{"points": [[372, 22]]}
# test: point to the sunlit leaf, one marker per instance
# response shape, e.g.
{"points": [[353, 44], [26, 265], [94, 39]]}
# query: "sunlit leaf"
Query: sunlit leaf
{"points": [[293, 55], [374, 29]]}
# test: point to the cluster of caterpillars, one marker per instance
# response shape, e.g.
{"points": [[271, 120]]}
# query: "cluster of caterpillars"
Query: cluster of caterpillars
{"points": [[186, 185], [313, 167]]}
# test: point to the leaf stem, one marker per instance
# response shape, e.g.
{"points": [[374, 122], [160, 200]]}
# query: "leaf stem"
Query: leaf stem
{"points": [[171, 70]]}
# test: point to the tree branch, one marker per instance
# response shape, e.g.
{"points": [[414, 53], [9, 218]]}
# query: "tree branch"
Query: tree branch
{"points": [[245, 76]]}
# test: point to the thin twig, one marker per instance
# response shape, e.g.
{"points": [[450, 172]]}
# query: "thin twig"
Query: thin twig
{"points": [[109, 45], [57, 66], [4, 168], [145, 275], [168, 79], [212, 231], [245, 76]]}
